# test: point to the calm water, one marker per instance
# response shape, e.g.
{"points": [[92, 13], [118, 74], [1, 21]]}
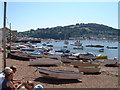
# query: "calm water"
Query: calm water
{"points": [[110, 52]]}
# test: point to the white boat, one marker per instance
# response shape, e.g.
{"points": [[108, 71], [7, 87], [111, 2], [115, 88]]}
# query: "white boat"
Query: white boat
{"points": [[89, 69], [85, 64], [77, 43], [54, 55], [60, 74], [44, 61], [87, 56]]}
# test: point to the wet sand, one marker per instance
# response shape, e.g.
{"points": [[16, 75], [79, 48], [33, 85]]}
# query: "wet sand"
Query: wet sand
{"points": [[107, 79]]}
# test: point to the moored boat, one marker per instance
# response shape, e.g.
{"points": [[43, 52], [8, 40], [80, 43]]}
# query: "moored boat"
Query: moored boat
{"points": [[66, 42], [112, 47], [77, 43], [49, 45], [98, 46], [101, 50], [80, 47]]}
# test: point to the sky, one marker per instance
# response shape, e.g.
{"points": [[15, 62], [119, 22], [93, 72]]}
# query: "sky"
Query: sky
{"points": [[24, 16]]}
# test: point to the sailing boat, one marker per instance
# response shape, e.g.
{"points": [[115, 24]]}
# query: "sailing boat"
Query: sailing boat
{"points": [[66, 41]]}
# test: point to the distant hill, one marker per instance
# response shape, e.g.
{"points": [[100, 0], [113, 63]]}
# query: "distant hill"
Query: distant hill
{"points": [[77, 31]]}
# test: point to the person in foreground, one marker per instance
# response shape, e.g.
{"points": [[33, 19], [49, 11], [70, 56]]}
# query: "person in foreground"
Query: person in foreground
{"points": [[7, 83]]}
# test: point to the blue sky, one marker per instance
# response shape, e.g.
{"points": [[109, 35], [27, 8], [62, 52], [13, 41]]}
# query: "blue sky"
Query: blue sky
{"points": [[32, 15]]}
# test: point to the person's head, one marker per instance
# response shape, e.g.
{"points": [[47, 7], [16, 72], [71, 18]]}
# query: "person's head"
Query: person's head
{"points": [[7, 70], [13, 68], [9, 75], [29, 85]]}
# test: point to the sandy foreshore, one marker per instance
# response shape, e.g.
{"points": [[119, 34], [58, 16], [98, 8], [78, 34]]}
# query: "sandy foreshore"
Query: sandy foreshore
{"points": [[107, 79]]}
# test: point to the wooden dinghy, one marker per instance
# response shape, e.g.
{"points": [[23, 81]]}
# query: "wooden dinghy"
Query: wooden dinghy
{"points": [[69, 59], [19, 56], [78, 63], [44, 61], [60, 74], [89, 69]]}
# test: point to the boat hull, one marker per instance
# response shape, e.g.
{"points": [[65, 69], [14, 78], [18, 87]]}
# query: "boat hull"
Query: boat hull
{"points": [[60, 74], [102, 57], [89, 69], [78, 63], [111, 62], [44, 61]]}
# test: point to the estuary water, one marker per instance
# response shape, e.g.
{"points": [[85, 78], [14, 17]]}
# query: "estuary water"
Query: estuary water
{"points": [[110, 52]]}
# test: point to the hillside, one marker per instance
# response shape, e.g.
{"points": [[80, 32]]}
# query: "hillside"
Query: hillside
{"points": [[78, 31]]}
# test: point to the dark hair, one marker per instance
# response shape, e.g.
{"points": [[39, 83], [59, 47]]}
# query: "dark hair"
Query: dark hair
{"points": [[13, 67]]}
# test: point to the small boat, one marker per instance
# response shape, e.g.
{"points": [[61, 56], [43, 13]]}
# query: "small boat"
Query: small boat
{"points": [[66, 42], [54, 55], [44, 61], [49, 45], [101, 50], [27, 49], [35, 52], [111, 47], [85, 64], [64, 46], [60, 74], [111, 62], [98, 46], [63, 51], [44, 44], [81, 47], [101, 57], [19, 56], [89, 69], [87, 56], [77, 43], [68, 59]]}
